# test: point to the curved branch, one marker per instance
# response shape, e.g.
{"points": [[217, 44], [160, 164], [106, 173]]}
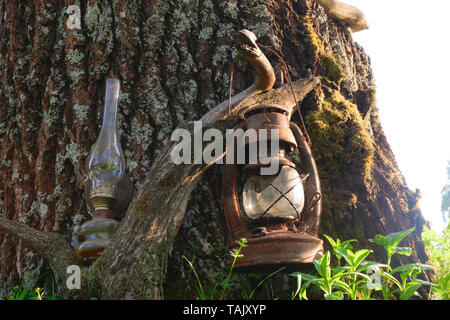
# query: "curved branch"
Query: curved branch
{"points": [[51, 246], [265, 76], [348, 14]]}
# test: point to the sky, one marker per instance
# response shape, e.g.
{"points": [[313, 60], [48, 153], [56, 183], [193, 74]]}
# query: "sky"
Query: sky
{"points": [[409, 47]]}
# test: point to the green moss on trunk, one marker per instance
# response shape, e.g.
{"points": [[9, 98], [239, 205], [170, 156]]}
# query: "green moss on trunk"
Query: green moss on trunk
{"points": [[342, 144]]}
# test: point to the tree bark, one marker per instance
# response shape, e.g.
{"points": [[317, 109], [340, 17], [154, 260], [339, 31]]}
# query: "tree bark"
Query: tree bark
{"points": [[174, 61]]}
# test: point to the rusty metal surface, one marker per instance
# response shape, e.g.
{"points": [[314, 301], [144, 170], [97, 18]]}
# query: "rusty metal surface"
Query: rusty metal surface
{"points": [[268, 117], [275, 242], [282, 249]]}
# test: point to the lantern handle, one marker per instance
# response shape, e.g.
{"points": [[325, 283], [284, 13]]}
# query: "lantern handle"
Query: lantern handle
{"points": [[314, 200], [313, 187], [233, 216]]}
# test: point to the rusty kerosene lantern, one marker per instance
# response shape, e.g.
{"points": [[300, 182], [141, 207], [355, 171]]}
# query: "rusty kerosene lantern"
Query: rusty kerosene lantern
{"points": [[278, 214]]}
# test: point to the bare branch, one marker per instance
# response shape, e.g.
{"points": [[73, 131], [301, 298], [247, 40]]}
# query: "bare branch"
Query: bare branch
{"points": [[350, 15], [51, 246], [265, 77]]}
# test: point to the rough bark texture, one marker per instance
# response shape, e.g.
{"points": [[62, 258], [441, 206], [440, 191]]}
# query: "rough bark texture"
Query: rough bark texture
{"points": [[174, 60]]}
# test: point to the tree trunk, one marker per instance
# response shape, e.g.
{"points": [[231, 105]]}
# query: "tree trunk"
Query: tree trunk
{"points": [[174, 60]]}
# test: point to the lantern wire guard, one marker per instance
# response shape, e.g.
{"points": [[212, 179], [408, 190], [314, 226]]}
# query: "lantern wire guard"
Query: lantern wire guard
{"points": [[282, 239]]}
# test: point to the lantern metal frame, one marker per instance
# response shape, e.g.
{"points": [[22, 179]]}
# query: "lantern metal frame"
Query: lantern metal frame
{"points": [[274, 242]]}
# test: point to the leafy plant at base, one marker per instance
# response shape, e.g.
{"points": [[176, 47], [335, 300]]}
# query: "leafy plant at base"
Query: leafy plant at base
{"points": [[409, 271], [438, 250], [405, 288], [223, 281], [329, 281], [21, 292], [359, 277]]}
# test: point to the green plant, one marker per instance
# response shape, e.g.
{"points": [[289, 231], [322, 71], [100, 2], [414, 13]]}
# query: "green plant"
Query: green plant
{"points": [[236, 253], [225, 283], [405, 288], [200, 291], [20, 292], [438, 250], [359, 278], [330, 280], [338, 247], [248, 297]]}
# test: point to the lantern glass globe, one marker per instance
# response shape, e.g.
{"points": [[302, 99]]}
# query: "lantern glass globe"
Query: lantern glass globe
{"points": [[262, 195]]}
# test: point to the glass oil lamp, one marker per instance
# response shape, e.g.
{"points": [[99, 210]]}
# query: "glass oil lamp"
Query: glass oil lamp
{"points": [[277, 214], [105, 170]]}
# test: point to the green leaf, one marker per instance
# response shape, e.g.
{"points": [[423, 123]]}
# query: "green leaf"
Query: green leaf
{"points": [[423, 282], [346, 253], [341, 285], [371, 266], [346, 244], [392, 239], [404, 267], [322, 266], [409, 292], [299, 285], [330, 240], [360, 274], [305, 276], [201, 292], [24, 295], [395, 238], [360, 256], [340, 271], [379, 239], [402, 250], [334, 296], [270, 275], [392, 278]]}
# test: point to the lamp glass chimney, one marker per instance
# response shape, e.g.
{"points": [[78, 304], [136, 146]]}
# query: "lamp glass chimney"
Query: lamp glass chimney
{"points": [[106, 162]]}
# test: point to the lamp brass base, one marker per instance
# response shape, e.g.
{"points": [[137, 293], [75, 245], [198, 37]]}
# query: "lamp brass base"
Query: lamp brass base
{"points": [[272, 251], [95, 234]]}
